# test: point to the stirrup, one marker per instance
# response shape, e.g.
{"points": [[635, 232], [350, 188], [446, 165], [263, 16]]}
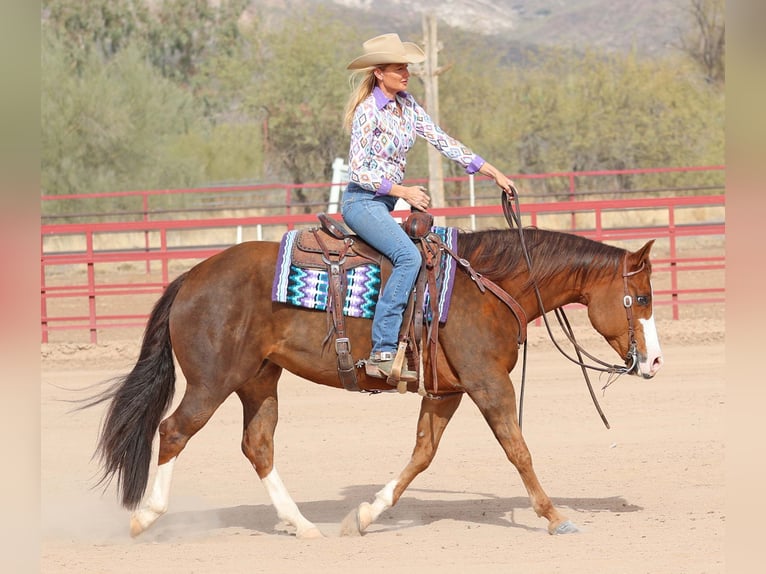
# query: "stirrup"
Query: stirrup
{"points": [[382, 369], [387, 366]]}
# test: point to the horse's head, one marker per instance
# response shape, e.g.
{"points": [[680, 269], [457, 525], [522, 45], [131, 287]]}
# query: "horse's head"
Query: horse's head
{"points": [[622, 312]]}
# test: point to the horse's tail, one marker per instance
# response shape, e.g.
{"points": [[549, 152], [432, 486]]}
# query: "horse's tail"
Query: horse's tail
{"points": [[138, 401]]}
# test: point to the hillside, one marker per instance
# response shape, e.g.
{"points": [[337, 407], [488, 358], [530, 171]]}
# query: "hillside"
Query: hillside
{"points": [[651, 27]]}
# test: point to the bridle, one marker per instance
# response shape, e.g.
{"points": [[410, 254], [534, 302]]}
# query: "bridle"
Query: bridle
{"points": [[627, 302], [511, 211]]}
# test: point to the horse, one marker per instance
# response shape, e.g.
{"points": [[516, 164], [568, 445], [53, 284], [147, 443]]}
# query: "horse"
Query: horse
{"points": [[228, 336]]}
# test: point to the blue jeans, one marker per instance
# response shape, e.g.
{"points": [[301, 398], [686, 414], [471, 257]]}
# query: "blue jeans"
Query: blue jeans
{"points": [[370, 217]]}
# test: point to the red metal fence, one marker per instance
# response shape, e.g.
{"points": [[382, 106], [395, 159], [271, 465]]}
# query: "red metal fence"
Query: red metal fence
{"points": [[284, 199], [75, 296]]}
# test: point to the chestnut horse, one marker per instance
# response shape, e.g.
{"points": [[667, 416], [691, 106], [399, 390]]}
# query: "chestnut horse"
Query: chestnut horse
{"points": [[228, 336]]}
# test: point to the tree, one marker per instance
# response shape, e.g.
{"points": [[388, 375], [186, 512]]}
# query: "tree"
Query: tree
{"points": [[301, 95], [111, 121], [570, 112], [115, 125], [178, 35], [184, 34], [705, 44], [97, 27], [599, 112]]}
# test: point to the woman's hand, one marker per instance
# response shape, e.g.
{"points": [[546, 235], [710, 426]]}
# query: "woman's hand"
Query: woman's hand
{"points": [[416, 195], [503, 182], [500, 179]]}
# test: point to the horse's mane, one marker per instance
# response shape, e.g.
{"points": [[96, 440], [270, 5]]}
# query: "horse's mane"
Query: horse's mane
{"points": [[496, 253]]}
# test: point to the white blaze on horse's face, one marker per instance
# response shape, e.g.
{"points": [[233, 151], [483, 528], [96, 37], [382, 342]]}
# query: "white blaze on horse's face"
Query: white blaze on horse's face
{"points": [[651, 362]]}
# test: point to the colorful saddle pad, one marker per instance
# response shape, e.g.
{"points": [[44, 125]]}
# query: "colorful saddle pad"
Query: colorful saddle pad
{"points": [[304, 287]]}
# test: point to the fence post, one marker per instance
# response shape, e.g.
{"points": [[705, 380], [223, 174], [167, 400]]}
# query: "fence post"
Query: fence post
{"points": [[572, 194], [673, 261], [339, 177], [164, 252], [145, 208], [91, 287], [43, 299], [599, 224]]}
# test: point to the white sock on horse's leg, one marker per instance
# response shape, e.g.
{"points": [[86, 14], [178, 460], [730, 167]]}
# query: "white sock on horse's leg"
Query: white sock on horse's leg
{"points": [[286, 508], [157, 503], [384, 499]]}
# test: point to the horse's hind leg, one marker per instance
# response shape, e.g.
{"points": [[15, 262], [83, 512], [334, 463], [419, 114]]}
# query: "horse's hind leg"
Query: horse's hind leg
{"points": [[259, 402], [433, 419], [194, 410], [498, 405]]}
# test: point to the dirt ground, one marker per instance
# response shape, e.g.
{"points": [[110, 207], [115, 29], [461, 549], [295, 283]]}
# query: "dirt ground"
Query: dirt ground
{"points": [[647, 494]]}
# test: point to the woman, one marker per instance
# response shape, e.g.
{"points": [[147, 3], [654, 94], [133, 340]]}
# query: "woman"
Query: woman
{"points": [[383, 120]]}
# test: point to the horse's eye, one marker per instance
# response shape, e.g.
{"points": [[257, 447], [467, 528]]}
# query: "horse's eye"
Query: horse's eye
{"points": [[642, 300]]}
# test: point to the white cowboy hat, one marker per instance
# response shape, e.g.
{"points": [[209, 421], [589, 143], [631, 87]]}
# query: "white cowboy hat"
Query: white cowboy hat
{"points": [[387, 49]]}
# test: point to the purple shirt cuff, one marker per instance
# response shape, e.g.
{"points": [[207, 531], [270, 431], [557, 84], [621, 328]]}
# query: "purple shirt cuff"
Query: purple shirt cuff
{"points": [[385, 187], [475, 164]]}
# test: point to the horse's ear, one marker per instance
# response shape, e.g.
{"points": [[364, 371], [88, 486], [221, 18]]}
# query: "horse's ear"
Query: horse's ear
{"points": [[642, 254]]}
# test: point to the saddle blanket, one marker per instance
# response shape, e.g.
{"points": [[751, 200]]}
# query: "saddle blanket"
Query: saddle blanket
{"points": [[308, 287]]}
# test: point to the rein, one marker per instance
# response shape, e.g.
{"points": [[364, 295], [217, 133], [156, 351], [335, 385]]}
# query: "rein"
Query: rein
{"points": [[513, 218]]}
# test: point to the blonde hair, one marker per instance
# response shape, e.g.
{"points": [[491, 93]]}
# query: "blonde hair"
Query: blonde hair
{"points": [[362, 83]]}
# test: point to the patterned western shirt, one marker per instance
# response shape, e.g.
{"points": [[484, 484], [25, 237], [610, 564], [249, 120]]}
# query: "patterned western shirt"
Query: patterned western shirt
{"points": [[380, 140]]}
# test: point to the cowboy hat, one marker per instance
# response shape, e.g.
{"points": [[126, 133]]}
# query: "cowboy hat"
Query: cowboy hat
{"points": [[387, 49]]}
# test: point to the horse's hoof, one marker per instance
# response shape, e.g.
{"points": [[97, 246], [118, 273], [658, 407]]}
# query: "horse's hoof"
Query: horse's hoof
{"points": [[350, 524], [364, 516], [357, 521], [142, 519], [566, 527], [309, 534], [136, 527]]}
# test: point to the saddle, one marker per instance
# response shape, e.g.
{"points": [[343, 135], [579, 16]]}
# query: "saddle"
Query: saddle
{"points": [[336, 249], [333, 247], [319, 247]]}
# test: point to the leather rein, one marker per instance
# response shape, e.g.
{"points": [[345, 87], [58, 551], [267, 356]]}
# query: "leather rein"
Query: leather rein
{"points": [[511, 211]]}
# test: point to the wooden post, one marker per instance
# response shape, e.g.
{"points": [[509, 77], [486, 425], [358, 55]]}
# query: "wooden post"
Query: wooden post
{"points": [[430, 78]]}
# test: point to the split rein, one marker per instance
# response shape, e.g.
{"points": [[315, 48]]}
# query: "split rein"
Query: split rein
{"points": [[512, 215]]}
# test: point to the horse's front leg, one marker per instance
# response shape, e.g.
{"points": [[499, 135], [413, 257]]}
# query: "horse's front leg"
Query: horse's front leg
{"points": [[433, 419], [496, 400]]}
